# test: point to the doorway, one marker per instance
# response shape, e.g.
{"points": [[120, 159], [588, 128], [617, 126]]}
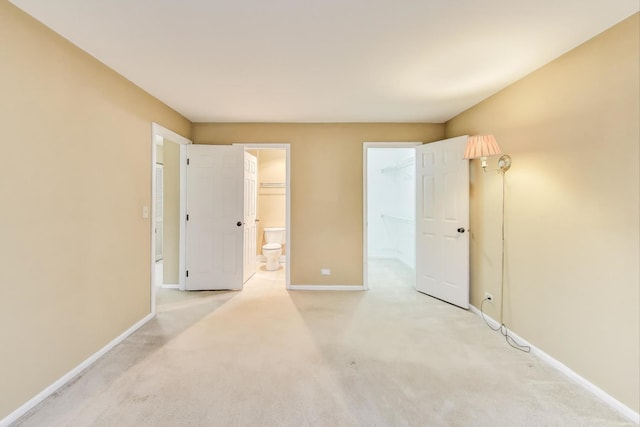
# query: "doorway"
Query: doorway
{"points": [[389, 213], [160, 135], [167, 213], [439, 221], [167, 210], [273, 206]]}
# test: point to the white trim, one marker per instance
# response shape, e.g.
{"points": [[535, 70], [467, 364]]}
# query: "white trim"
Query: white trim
{"points": [[156, 131], [611, 401], [182, 255], [169, 134], [494, 323], [287, 148], [13, 416], [169, 286], [365, 225], [325, 288]]}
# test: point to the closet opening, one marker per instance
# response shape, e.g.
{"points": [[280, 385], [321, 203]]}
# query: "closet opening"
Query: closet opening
{"points": [[389, 214]]}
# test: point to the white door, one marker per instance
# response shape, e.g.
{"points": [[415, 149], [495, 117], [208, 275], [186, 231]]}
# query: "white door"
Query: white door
{"points": [[442, 221], [250, 200], [214, 217]]}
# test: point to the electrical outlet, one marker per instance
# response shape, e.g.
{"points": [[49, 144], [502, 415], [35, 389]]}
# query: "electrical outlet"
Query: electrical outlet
{"points": [[488, 297], [325, 271]]}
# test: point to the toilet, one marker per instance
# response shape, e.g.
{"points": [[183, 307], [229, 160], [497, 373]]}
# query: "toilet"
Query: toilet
{"points": [[274, 238]]}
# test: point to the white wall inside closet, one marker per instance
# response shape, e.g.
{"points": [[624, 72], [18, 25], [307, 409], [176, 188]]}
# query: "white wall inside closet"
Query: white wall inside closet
{"points": [[391, 204]]}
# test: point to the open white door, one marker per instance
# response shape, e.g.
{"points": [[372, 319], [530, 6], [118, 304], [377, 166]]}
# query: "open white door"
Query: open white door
{"points": [[214, 217], [250, 200], [442, 221]]}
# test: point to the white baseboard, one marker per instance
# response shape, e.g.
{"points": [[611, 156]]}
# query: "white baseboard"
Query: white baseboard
{"points": [[611, 401], [325, 288], [494, 323], [169, 286], [71, 374]]}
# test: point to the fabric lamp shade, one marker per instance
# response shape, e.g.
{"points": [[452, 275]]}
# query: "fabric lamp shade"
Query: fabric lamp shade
{"points": [[481, 146]]}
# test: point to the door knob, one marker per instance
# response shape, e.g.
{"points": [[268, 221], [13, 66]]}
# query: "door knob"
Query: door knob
{"points": [[239, 223], [460, 230]]}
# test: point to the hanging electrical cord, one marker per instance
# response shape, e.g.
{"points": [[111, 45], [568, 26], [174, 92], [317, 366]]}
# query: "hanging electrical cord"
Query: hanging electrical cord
{"points": [[503, 328], [504, 331]]}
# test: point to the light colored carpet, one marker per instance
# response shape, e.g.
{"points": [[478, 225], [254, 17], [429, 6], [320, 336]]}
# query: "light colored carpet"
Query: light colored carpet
{"points": [[267, 357]]}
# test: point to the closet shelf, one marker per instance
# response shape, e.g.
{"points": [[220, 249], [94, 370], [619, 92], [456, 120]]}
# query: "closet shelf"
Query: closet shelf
{"points": [[399, 165], [397, 218]]}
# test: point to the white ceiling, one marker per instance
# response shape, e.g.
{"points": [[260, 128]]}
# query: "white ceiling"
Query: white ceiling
{"points": [[326, 60]]}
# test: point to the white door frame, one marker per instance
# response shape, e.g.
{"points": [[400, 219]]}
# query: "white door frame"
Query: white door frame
{"points": [[365, 225], [158, 130], [159, 167], [287, 148], [250, 201]]}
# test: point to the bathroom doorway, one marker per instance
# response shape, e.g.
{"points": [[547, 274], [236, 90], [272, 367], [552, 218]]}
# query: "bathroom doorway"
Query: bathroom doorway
{"points": [[389, 214], [167, 209], [167, 213], [159, 136], [272, 215]]}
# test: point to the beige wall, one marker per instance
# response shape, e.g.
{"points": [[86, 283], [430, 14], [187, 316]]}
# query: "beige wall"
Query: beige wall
{"points": [[75, 251], [326, 187], [272, 204], [171, 218], [76, 171], [572, 208]]}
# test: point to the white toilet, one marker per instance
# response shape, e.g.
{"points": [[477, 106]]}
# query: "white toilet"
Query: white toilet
{"points": [[274, 238]]}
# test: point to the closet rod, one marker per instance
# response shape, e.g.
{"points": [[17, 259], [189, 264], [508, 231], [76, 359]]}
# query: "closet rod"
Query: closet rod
{"points": [[400, 165], [397, 218]]}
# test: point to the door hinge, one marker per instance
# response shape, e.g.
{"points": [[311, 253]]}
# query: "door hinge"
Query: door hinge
{"points": [[187, 161], [187, 273], [187, 217]]}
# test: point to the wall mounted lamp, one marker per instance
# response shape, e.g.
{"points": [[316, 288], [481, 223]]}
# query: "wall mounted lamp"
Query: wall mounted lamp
{"points": [[483, 146]]}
